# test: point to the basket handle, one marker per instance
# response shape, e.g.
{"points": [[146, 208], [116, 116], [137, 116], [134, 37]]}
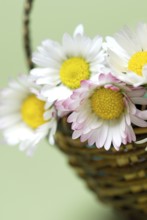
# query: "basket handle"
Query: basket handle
{"points": [[26, 32]]}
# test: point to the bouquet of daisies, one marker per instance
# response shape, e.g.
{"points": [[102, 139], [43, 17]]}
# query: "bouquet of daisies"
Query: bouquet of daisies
{"points": [[100, 86]]}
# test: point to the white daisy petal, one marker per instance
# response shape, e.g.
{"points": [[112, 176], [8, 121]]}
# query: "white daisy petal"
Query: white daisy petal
{"points": [[55, 93], [141, 141], [115, 47], [127, 55], [128, 40], [90, 119], [142, 114], [103, 135], [37, 72], [116, 136], [76, 134], [139, 100], [79, 30], [20, 115], [58, 64], [9, 120], [91, 137], [142, 33], [136, 93], [138, 121], [108, 140]]}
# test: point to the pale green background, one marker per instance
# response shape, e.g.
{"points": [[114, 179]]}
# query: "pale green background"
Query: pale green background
{"points": [[44, 187]]}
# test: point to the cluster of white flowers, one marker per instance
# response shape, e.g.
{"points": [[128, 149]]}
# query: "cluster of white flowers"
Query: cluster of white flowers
{"points": [[98, 84]]}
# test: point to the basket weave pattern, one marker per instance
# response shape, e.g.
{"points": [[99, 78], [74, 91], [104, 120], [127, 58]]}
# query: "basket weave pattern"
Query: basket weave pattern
{"points": [[118, 178]]}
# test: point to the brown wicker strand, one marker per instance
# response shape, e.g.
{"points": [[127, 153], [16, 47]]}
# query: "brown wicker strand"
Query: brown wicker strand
{"points": [[26, 32], [119, 179]]}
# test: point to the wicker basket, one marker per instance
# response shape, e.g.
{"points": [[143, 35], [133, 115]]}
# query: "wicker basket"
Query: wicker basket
{"points": [[119, 179]]}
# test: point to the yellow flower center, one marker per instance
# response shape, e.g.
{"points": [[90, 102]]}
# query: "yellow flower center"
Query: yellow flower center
{"points": [[32, 111], [73, 71], [137, 61], [107, 104]]}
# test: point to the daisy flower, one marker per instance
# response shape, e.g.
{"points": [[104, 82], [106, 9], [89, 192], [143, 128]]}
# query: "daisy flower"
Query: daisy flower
{"points": [[61, 67], [128, 54], [103, 112], [25, 116]]}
